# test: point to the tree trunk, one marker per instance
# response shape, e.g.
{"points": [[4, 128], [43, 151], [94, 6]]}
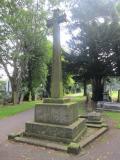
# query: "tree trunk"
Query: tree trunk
{"points": [[21, 98], [30, 97], [97, 89], [15, 94], [36, 97], [15, 97], [85, 88], [118, 95]]}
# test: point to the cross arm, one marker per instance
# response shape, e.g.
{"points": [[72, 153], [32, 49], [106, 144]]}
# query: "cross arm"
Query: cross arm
{"points": [[60, 19]]}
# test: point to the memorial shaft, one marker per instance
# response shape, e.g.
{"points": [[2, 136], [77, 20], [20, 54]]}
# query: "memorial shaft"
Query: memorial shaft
{"points": [[56, 81]]}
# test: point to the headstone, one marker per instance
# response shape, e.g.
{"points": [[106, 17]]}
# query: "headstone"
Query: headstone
{"points": [[108, 106], [94, 119], [94, 116], [105, 96]]}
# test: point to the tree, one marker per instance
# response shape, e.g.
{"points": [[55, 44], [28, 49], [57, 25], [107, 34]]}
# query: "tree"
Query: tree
{"points": [[92, 36], [23, 34]]}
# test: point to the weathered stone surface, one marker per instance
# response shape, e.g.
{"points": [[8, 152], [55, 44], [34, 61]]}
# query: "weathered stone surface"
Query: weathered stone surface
{"points": [[13, 135], [94, 116], [56, 81], [42, 143], [74, 148], [89, 136], [56, 100], [110, 106], [106, 96], [56, 113], [92, 136], [63, 133]]}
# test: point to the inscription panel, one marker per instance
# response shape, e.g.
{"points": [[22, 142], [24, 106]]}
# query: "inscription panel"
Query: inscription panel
{"points": [[56, 113]]}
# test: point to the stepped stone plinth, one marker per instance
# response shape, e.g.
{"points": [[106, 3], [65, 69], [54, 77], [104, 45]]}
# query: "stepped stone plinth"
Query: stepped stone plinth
{"points": [[56, 132], [56, 122]]}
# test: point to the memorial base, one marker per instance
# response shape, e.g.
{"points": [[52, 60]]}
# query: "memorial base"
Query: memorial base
{"points": [[58, 126]]}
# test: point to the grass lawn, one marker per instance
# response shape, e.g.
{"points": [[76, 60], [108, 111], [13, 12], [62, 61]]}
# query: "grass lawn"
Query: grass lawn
{"points": [[6, 111], [10, 110]]}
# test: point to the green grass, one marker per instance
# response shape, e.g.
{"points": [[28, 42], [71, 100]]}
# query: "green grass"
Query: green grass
{"points": [[10, 110], [114, 95], [80, 99]]}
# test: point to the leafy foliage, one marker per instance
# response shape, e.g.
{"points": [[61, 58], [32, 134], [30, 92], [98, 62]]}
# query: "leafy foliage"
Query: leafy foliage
{"points": [[24, 42], [94, 29]]}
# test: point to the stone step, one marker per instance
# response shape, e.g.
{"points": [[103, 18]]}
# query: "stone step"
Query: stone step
{"points": [[94, 122], [55, 132], [42, 143], [89, 139], [96, 125]]}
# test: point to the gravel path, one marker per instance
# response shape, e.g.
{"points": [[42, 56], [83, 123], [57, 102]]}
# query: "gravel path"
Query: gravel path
{"points": [[106, 147]]}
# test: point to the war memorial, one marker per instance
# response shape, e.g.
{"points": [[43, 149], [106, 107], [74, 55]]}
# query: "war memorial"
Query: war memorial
{"points": [[57, 123]]}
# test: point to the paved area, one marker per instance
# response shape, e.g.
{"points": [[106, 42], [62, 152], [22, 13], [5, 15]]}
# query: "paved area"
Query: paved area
{"points": [[106, 147]]}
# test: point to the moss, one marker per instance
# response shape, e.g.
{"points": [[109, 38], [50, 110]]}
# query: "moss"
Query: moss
{"points": [[56, 100], [61, 89], [73, 148]]}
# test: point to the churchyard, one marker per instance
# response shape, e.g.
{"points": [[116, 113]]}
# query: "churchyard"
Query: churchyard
{"points": [[60, 80]]}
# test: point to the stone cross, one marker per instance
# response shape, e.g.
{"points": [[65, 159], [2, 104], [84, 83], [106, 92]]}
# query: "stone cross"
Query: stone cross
{"points": [[56, 80]]}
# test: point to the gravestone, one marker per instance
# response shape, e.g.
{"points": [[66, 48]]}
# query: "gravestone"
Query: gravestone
{"points": [[108, 106], [106, 96]]}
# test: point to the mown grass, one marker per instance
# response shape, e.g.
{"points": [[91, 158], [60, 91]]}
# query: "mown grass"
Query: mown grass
{"points": [[78, 98], [10, 110]]}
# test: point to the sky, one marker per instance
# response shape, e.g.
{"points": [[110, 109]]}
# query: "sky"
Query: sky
{"points": [[64, 36]]}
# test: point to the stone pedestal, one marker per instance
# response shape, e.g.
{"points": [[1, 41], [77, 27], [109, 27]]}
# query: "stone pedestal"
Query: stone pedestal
{"points": [[53, 113], [56, 122], [94, 119], [55, 132], [94, 116], [58, 126]]}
